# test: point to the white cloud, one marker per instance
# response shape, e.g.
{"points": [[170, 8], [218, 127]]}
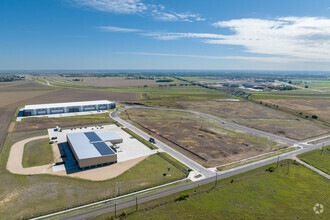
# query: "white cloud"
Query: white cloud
{"points": [[176, 36], [117, 29], [174, 16], [115, 6], [158, 12], [301, 37], [255, 58]]}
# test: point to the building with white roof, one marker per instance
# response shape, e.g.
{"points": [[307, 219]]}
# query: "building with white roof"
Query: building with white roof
{"points": [[93, 148], [67, 107]]}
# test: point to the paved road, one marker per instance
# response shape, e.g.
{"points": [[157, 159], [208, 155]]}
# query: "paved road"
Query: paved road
{"points": [[182, 158], [228, 125], [312, 168], [210, 176], [220, 175]]}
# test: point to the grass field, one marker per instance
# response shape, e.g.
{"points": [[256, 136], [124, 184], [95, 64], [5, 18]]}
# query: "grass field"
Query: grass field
{"points": [[319, 107], [37, 123], [36, 153], [319, 159], [198, 138], [24, 196], [290, 192]]}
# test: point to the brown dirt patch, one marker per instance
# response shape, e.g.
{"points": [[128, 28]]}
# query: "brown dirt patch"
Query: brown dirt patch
{"points": [[186, 131]]}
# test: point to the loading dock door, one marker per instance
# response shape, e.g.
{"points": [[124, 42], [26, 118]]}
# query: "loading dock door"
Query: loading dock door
{"points": [[101, 107], [89, 108], [41, 112], [57, 111]]}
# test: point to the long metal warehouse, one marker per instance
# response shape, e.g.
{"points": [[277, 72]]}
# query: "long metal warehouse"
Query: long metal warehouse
{"points": [[67, 107]]}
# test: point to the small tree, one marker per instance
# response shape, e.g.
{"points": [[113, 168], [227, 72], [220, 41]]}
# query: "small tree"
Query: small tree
{"points": [[306, 86], [314, 116]]}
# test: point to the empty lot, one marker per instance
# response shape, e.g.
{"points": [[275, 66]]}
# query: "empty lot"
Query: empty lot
{"points": [[198, 138], [319, 107], [260, 117]]}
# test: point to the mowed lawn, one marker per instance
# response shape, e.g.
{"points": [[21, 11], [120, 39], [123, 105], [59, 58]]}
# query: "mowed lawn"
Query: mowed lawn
{"points": [[290, 192], [319, 159], [25, 196], [36, 153]]}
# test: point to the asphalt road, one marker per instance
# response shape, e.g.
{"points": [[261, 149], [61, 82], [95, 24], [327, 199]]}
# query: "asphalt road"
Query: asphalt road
{"points": [[210, 176], [229, 125], [166, 192], [182, 158]]}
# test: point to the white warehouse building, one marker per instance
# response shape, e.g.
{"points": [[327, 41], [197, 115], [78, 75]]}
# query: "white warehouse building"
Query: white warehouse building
{"points": [[67, 107]]}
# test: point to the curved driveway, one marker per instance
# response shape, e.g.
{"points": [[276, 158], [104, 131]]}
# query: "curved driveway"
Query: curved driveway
{"points": [[14, 163]]}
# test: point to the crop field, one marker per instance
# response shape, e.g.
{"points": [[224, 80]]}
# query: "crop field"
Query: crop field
{"points": [[290, 192], [23, 196], [64, 95], [319, 159], [38, 123], [261, 117], [198, 138], [319, 107], [117, 81]]}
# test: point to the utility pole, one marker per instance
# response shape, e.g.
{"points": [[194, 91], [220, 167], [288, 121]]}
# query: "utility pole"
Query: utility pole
{"points": [[216, 179], [136, 201], [116, 209]]}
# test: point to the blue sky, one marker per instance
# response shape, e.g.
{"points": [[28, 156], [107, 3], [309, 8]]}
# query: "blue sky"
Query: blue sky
{"points": [[165, 34]]}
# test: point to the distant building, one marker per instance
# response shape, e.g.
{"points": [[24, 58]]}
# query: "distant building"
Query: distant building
{"points": [[67, 107], [94, 148]]}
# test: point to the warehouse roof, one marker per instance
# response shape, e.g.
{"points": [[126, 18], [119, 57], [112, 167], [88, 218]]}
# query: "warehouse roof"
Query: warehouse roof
{"points": [[67, 104], [90, 144]]}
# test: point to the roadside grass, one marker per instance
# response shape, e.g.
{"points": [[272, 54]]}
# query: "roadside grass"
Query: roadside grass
{"points": [[319, 158], [25, 196], [36, 153], [290, 192], [139, 138]]}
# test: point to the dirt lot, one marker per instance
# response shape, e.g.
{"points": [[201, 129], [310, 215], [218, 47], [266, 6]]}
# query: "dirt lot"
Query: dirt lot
{"points": [[319, 107], [113, 81], [30, 124], [63, 95], [6, 115], [197, 138], [20, 84], [260, 117]]}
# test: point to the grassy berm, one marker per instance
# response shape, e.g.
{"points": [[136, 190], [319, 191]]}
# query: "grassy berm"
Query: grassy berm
{"points": [[290, 192]]}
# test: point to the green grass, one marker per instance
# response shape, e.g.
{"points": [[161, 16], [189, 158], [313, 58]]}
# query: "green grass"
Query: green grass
{"points": [[290, 192], [93, 117], [142, 140], [319, 158], [36, 153], [24, 196]]}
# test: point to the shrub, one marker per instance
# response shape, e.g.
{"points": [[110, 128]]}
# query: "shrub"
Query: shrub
{"points": [[314, 116], [183, 196], [270, 169]]}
